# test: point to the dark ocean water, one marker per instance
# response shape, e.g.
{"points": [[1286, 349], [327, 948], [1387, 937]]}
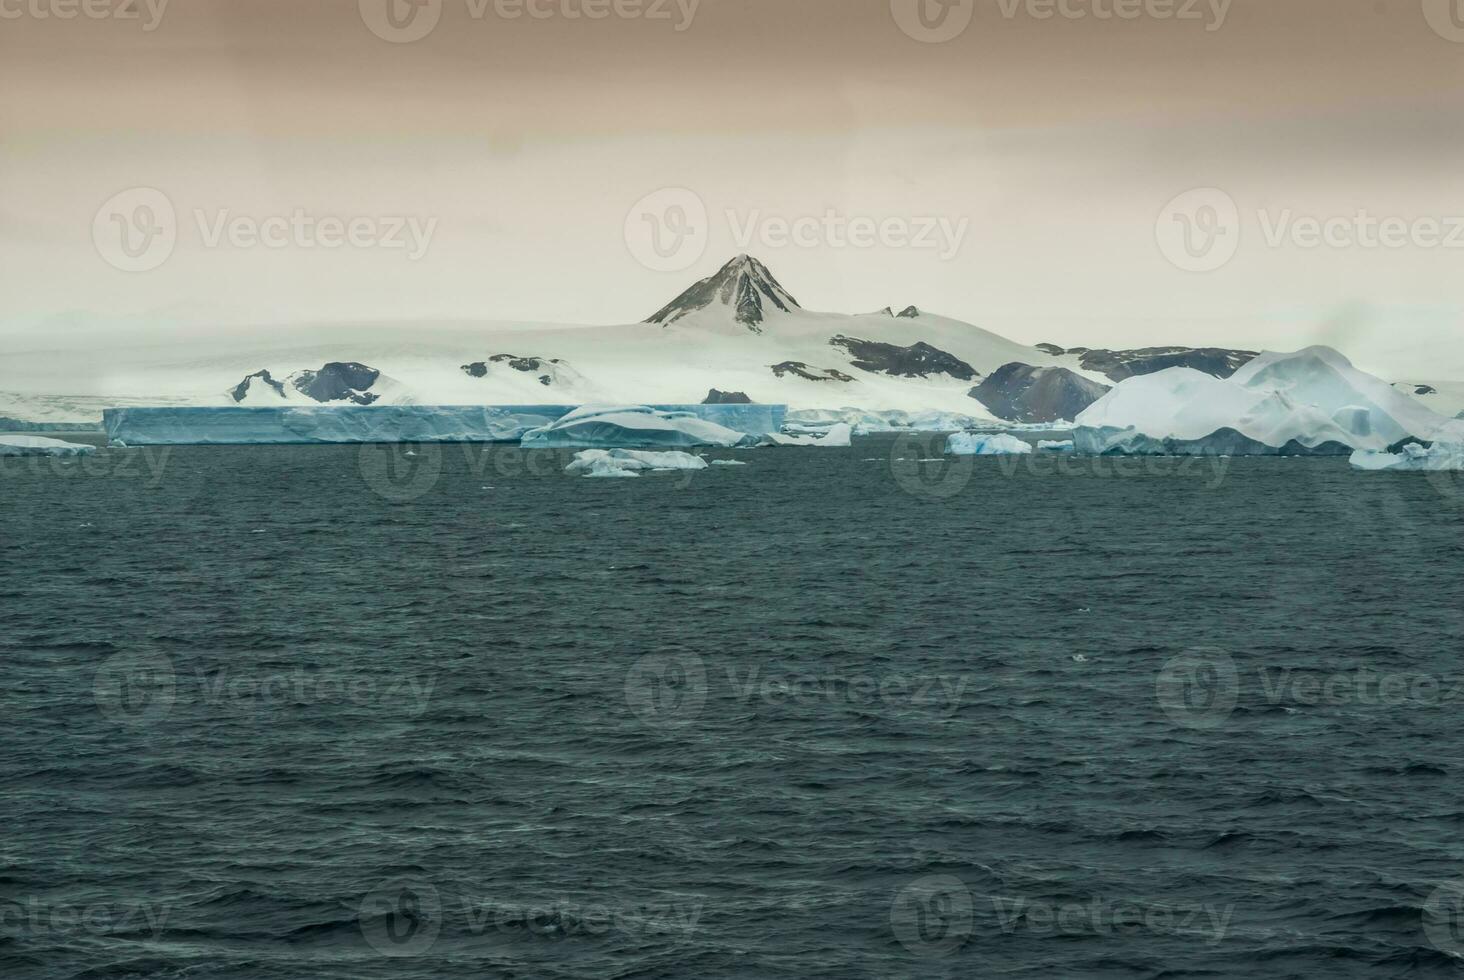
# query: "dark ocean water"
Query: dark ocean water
{"points": [[337, 713]]}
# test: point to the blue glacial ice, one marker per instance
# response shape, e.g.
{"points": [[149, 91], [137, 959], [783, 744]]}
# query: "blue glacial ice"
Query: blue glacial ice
{"points": [[986, 444], [388, 424]]}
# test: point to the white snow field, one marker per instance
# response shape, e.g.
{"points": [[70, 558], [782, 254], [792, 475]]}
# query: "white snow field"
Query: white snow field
{"points": [[1311, 401], [39, 446], [629, 462], [1414, 458], [986, 444]]}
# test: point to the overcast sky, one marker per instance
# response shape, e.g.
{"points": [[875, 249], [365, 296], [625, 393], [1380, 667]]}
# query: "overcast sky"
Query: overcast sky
{"points": [[1031, 161]]}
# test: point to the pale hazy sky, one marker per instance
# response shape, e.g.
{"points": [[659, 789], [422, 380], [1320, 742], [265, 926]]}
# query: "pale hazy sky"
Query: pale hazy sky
{"points": [[1056, 143]]}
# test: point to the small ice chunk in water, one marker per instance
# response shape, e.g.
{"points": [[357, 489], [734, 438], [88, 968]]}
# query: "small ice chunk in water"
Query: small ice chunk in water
{"points": [[630, 462], [986, 444]]}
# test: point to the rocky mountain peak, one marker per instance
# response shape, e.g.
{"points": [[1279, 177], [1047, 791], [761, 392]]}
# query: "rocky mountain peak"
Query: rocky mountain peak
{"points": [[743, 286]]}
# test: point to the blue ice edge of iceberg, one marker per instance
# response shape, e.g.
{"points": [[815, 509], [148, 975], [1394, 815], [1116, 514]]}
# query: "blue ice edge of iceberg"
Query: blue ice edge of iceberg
{"points": [[336, 424]]}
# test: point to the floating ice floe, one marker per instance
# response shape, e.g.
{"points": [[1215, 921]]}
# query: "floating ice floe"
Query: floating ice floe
{"points": [[633, 426], [1055, 446], [629, 462], [986, 444], [728, 462], [40, 446], [836, 437], [1413, 458], [1313, 402]]}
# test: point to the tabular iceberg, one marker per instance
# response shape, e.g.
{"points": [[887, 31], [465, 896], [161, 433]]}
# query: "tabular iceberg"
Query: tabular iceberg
{"points": [[986, 444], [40, 446], [1313, 402], [389, 424], [629, 462]]}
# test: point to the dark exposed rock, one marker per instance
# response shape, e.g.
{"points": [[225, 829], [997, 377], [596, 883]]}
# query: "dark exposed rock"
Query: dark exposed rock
{"points": [[1023, 393], [744, 284], [800, 370], [916, 361], [887, 311], [241, 390], [1122, 364], [909, 313], [1052, 349], [1425, 390], [528, 365], [715, 397], [338, 381]]}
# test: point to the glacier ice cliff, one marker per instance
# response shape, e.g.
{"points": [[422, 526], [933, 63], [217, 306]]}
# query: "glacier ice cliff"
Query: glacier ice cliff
{"points": [[389, 424]]}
